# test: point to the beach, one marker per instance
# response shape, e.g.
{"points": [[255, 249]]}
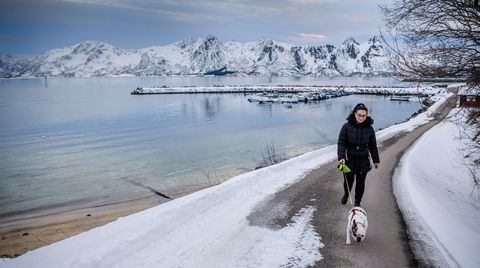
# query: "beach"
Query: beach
{"points": [[33, 231]]}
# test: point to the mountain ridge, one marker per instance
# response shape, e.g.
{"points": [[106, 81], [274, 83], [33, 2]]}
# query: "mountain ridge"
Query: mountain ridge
{"points": [[203, 56]]}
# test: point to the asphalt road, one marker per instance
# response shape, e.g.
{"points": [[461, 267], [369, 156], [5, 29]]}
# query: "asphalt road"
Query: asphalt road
{"points": [[387, 242]]}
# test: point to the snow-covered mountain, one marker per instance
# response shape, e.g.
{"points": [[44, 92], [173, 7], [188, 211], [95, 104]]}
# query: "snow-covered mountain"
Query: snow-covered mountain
{"points": [[204, 56], [11, 65]]}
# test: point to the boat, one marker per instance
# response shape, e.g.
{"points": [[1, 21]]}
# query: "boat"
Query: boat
{"points": [[259, 98], [304, 97], [288, 99], [399, 98], [316, 96]]}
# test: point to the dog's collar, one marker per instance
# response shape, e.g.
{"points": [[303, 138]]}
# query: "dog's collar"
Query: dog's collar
{"points": [[360, 210]]}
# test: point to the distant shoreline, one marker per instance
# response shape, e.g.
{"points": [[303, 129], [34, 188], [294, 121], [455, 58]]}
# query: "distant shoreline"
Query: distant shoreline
{"points": [[436, 80], [192, 75]]}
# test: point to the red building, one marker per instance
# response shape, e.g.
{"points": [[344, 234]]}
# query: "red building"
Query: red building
{"points": [[469, 97]]}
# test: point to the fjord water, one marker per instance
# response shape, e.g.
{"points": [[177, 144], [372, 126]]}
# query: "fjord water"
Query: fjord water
{"points": [[82, 142]]}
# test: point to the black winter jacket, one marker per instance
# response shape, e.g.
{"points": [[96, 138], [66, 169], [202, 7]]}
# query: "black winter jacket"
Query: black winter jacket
{"points": [[355, 142]]}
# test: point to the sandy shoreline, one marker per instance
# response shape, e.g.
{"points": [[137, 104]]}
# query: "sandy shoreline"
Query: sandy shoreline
{"points": [[22, 235]]}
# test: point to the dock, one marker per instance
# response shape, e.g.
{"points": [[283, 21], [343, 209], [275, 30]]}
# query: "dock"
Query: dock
{"points": [[286, 89]]}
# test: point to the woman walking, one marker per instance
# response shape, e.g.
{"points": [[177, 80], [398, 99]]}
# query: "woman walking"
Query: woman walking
{"points": [[356, 143]]}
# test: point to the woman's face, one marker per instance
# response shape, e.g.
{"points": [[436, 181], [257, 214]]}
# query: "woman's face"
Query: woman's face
{"points": [[360, 115]]}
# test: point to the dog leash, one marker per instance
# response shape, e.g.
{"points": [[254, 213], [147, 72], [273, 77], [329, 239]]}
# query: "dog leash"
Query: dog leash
{"points": [[348, 188], [342, 167]]}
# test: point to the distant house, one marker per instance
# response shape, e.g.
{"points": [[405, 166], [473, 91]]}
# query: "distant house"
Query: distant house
{"points": [[469, 97]]}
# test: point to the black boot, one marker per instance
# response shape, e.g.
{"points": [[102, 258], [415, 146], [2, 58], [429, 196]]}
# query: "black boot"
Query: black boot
{"points": [[344, 199], [357, 203]]}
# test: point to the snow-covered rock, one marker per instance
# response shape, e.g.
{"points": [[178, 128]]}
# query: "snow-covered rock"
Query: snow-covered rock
{"points": [[202, 55]]}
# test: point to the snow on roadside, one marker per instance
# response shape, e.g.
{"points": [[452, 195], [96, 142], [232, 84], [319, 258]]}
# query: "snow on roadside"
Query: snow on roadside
{"points": [[432, 186], [298, 241], [208, 228], [418, 120]]}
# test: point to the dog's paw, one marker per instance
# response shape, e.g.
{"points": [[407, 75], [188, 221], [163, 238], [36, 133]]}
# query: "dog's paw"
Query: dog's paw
{"points": [[348, 242]]}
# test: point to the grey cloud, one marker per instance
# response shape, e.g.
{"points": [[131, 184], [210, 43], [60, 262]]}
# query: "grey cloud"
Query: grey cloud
{"points": [[167, 21]]}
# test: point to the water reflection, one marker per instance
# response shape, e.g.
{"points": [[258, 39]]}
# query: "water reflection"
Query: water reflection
{"points": [[211, 106], [328, 106], [323, 136], [348, 108], [267, 107]]}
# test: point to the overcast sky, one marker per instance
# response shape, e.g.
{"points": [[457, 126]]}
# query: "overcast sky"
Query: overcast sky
{"points": [[34, 26]]}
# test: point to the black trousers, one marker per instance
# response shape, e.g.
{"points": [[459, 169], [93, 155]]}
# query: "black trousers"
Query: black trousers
{"points": [[359, 185]]}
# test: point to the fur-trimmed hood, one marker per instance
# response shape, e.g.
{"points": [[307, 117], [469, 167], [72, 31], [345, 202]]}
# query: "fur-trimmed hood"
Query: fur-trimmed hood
{"points": [[352, 120]]}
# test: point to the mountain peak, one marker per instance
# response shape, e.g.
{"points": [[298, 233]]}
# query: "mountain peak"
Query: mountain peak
{"points": [[89, 45], [264, 41], [350, 41], [185, 43], [210, 42], [211, 38], [375, 40], [93, 43]]}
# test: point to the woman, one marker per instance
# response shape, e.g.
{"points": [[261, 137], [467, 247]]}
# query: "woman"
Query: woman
{"points": [[356, 141]]}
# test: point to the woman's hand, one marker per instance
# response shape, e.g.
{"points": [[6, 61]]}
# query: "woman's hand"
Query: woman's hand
{"points": [[376, 165]]}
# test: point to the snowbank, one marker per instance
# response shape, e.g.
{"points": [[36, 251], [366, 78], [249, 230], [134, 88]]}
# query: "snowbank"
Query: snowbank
{"points": [[433, 188]]}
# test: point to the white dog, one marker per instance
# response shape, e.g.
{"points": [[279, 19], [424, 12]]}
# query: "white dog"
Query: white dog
{"points": [[357, 224]]}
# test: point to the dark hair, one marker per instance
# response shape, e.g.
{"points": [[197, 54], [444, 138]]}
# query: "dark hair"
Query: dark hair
{"points": [[360, 106]]}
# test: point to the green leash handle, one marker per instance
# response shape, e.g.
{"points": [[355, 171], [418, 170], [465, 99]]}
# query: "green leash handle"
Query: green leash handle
{"points": [[343, 168]]}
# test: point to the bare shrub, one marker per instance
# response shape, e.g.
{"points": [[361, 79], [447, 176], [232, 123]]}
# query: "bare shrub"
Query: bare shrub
{"points": [[270, 156]]}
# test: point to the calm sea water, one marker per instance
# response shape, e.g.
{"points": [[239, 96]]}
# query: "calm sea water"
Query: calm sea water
{"points": [[82, 142]]}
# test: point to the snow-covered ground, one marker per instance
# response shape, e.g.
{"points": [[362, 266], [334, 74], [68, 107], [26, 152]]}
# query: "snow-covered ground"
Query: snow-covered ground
{"points": [[434, 188], [209, 228]]}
